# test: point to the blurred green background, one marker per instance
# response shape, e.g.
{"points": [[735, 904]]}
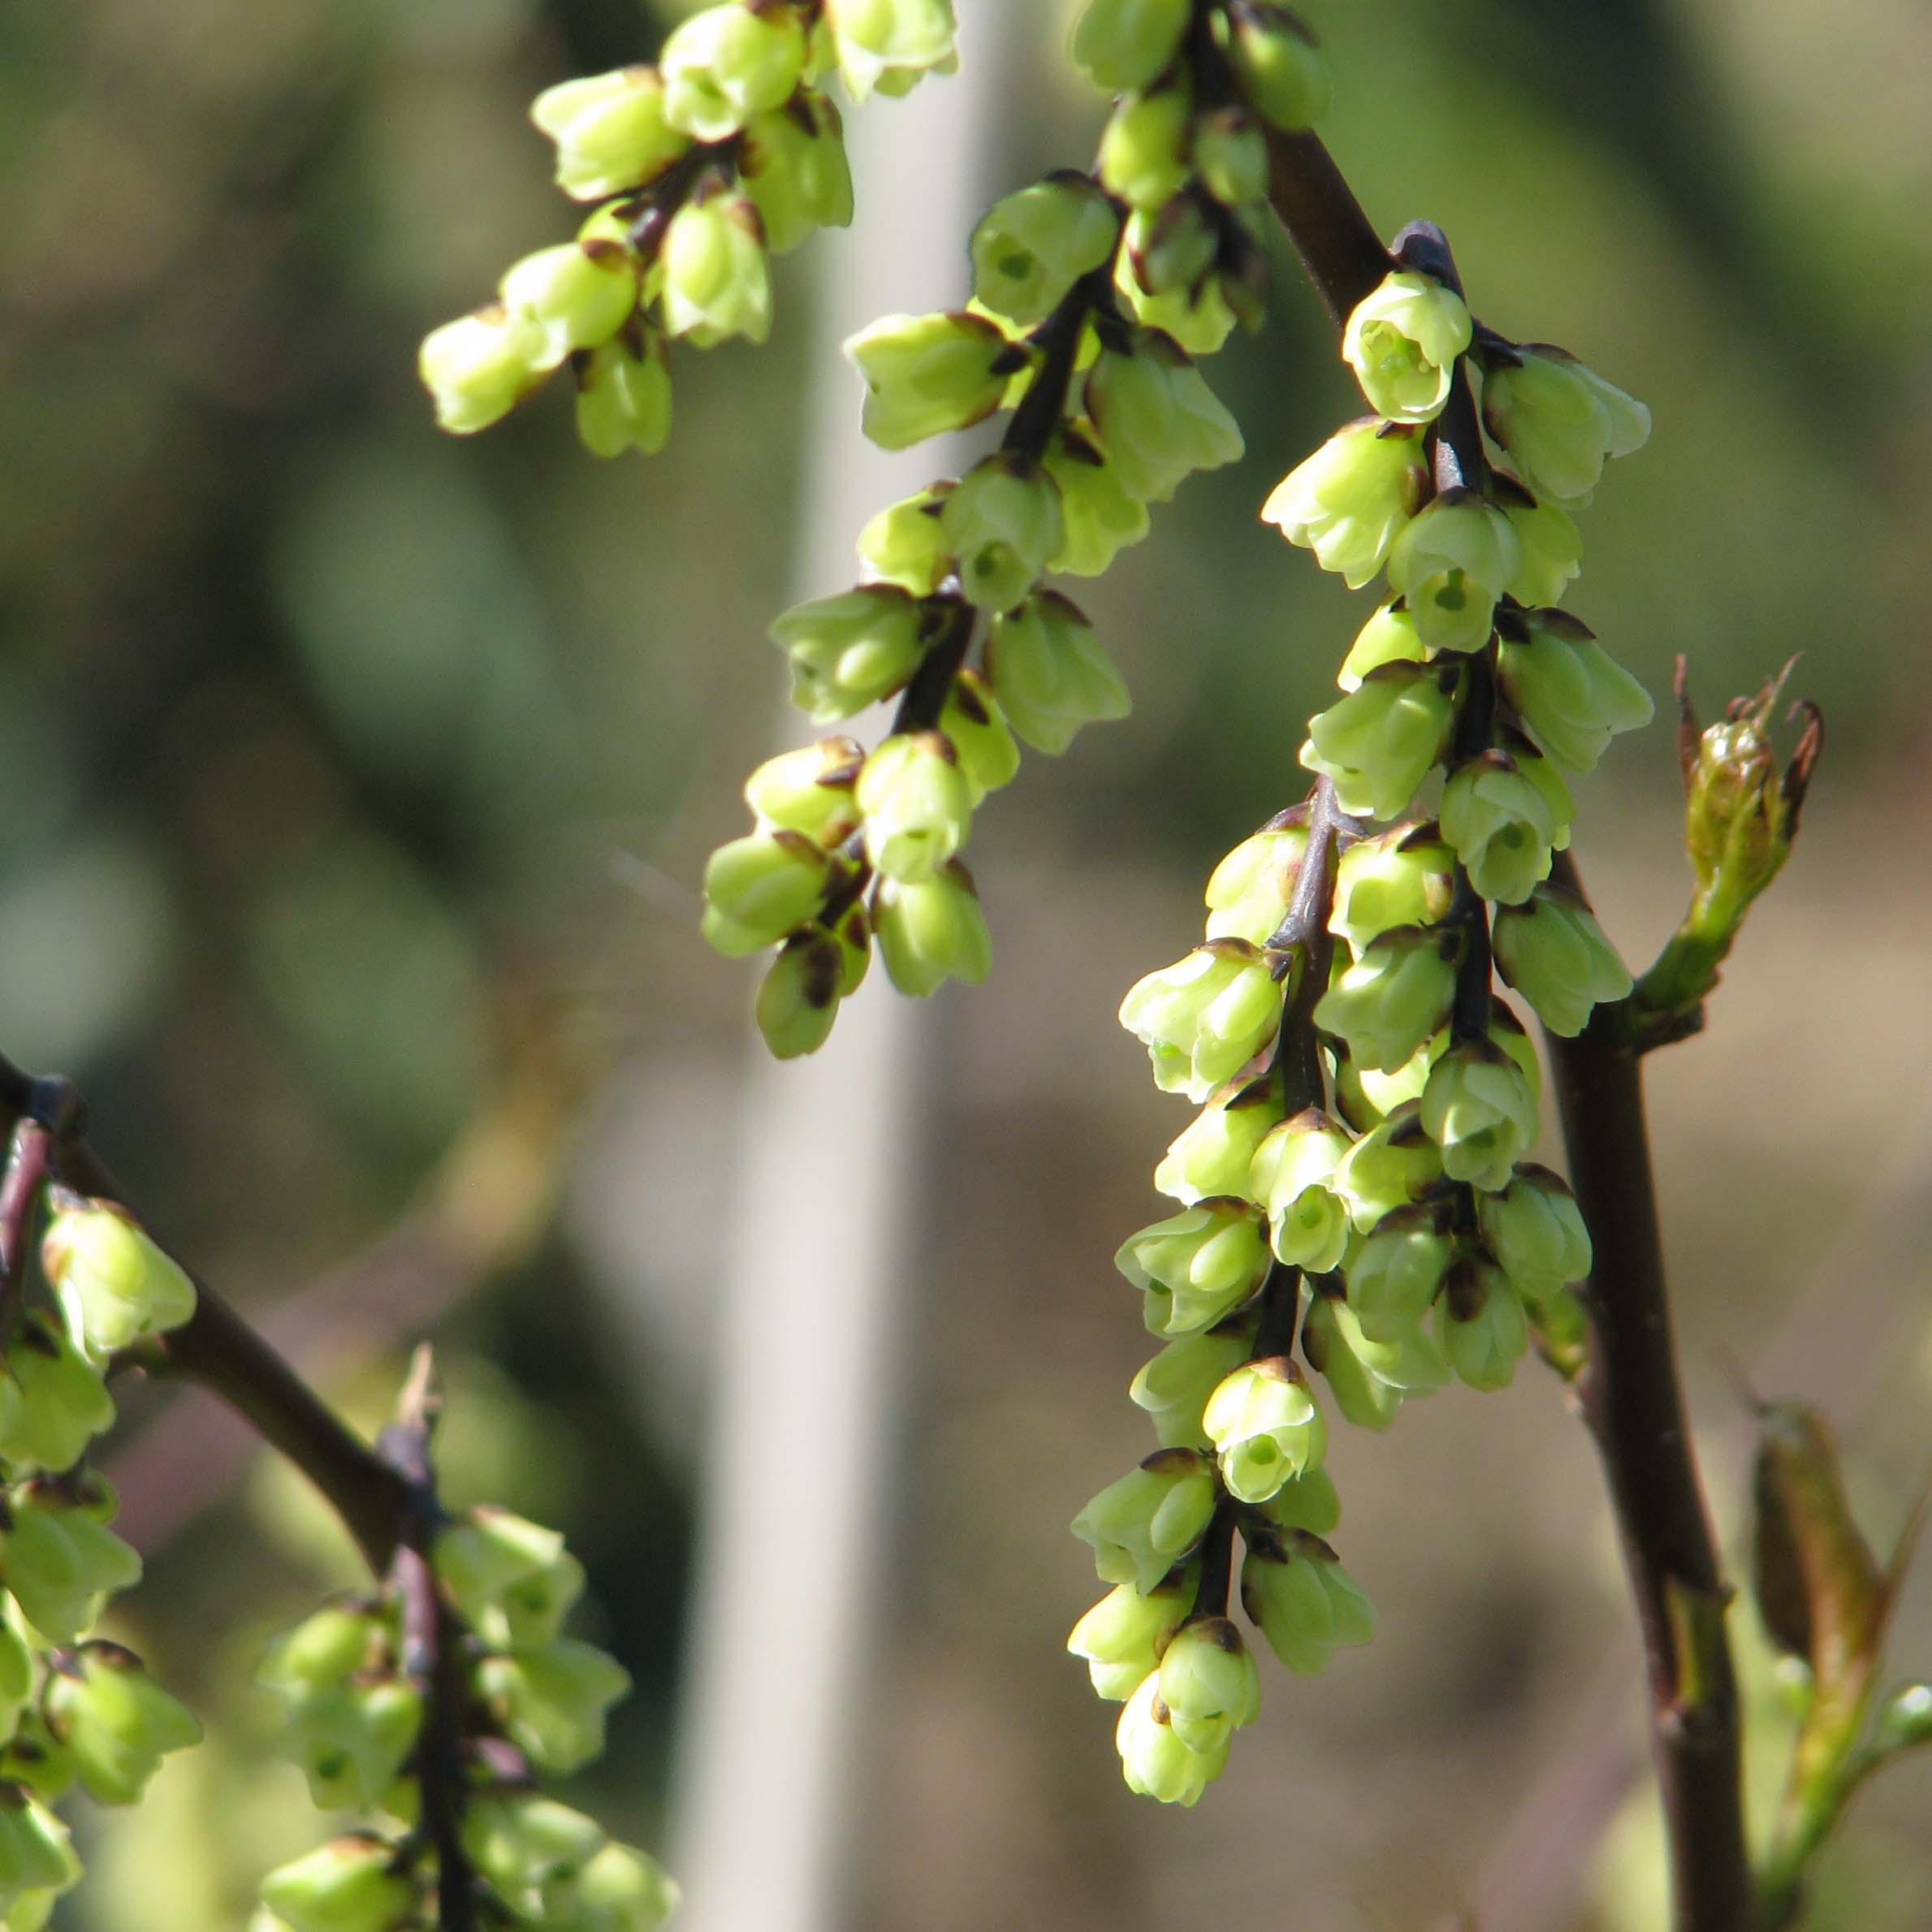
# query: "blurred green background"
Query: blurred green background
{"points": [[355, 784]]}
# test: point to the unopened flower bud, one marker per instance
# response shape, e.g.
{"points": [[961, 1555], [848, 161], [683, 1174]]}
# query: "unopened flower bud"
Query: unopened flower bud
{"points": [[1204, 1018], [797, 1002], [1559, 421], [916, 803], [1199, 317], [728, 62], [809, 790], [760, 888], [1291, 1178], [1505, 816], [1154, 1761], [1452, 564], [1350, 500], [927, 374], [115, 1285], [610, 132], [1052, 674], [850, 651], [1551, 543], [1378, 742], [477, 368], [1208, 1683], [906, 545], [1570, 692], [512, 1581], [1551, 950], [933, 930], [1308, 1501], [1281, 69], [717, 280], [352, 1741], [1404, 878], [578, 294], [1099, 519], [1480, 1326], [794, 167], [1741, 812], [1213, 1153], [356, 1883], [623, 396], [1249, 890], [1388, 637], [888, 43], [1141, 1526], [552, 1698], [323, 1651], [37, 1859], [1303, 1601], [1156, 418], [521, 1842], [1125, 44], [982, 740], [1172, 249], [1393, 999], [56, 1399], [621, 1890], [1230, 155], [1402, 342], [1395, 1272], [1030, 248], [1265, 1427], [115, 1719], [1002, 521], [1196, 1266], [1536, 1232], [1480, 1110], [1175, 1387], [1393, 1164], [1122, 1637], [1368, 1379], [1144, 148]]}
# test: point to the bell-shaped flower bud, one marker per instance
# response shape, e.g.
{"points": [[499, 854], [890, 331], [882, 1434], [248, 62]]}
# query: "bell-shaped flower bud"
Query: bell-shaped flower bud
{"points": [[1199, 317], [889, 43], [1396, 1270], [1248, 892], [1393, 1164], [850, 651], [1388, 637], [623, 394], [579, 294], [917, 805], [18, 1675], [1154, 1762], [1535, 1230], [1156, 418], [1480, 1325], [1265, 1427], [717, 278], [1379, 742], [477, 368], [1570, 692], [1141, 1526], [552, 1699], [1125, 44], [1306, 1502], [115, 1719], [1209, 1683], [927, 374], [809, 790], [352, 1741], [1281, 71], [53, 1402], [1505, 816], [512, 1581], [1551, 951], [356, 1883], [1406, 877], [1369, 1380], [1394, 998], [1098, 518], [610, 132], [906, 545], [793, 166], [1175, 1387], [1144, 158], [1204, 1018], [972, 719], [1451, 564], [728, 62], [1303, 1601], [933, 930], [325, 1650], [1213, 1153], [1230, 155], [620, 1890], [1052, 674], [1402, 342], [115, 1285], [37, 1858], [1560, 421], [1350, 500], [1002, 521], [1480, 1110], [761, 887], [1122, 1637], [1196, 1266], [1172, 249], [1291, 1176], [1030, 248], [521, 1842], [798, 998], [1552, 544]]}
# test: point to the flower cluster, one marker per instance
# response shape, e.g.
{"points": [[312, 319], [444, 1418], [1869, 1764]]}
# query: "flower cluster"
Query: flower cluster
{"points": [[75, 1708], [367, 1710], [726, 152]]}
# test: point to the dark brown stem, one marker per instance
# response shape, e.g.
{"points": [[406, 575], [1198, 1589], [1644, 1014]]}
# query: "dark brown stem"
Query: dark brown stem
{"points": [[19, 1195]]}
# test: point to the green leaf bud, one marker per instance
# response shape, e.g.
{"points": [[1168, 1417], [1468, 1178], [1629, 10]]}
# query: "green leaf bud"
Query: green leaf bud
{"points": [[1535, 1230], [1479, 1109], [1303, 1601], [1248, 892], [1350, 500], [1126, 44], [60, 1562], [1505, 816], [794, 167], [1144, 156], [355, 1883], [1480, 1326], [1369, 1379], [1452, 564], [623, 394], [53, 1401], [1406, 877], [809, 790], [1570, 692], [889, 43], [725, 64], [1213, 1153], [36, 1854], [512, 1581], [1141, 1526], [1173, 1387], [1904, 1721], [1030, 248], [610, 132], [983, 742], [1402, 342], [850, 651], [1156, 418], [1196, 1266], [916, 804], [933, 930], [927, 374], [1394, 998], [1122, 1637], [717, 279], [521, 1842], [115, 1285], [1003, 522], [760, 888], [1265, 1427], [1099, 519], [1395, 1271], [1551, 543], [115, 1719], [1204, 1018], [324, 1651], [1154, 1762], [1389, 637], [1291, 1176], [1551, 951], [1379, 742], [477, 368], [1051, 673], [1209, 1683], [1560, 421], [1230, 155], [1170, 250], [1279, 69], [1741, 814], [552, 1699], [579, 294]]}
